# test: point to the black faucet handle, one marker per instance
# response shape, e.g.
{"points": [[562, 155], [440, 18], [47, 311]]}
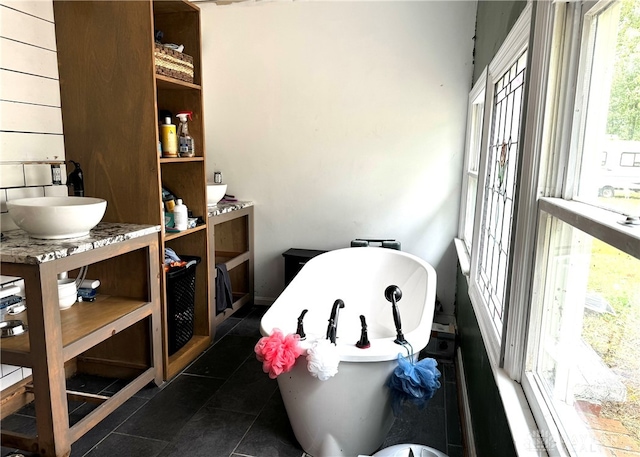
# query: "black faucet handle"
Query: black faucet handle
{"points": [[364, 342], [300, 330], [333, 320], [393, 293]]}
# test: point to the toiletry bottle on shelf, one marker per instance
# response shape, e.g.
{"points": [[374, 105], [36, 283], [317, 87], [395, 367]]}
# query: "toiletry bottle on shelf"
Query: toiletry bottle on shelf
{"points": [[185, 141], [180, 215], [169, 139]]}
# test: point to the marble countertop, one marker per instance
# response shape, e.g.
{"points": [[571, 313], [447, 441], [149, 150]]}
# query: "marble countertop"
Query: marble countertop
{"points": [[18, 247], [226, 207]]}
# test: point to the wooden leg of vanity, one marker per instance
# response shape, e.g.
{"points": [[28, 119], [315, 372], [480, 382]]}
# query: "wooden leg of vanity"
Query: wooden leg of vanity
{"points": [[156, 315], [48, 374]]}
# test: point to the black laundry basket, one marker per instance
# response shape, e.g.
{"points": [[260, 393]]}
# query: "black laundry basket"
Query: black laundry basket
{"points": [[181, 294]]}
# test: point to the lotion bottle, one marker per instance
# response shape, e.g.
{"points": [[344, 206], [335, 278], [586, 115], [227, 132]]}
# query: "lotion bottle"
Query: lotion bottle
{"points": [[169, 139], [180, 215]]}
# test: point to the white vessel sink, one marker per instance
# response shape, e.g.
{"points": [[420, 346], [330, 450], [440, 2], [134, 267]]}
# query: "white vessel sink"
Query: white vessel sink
{"points": [[56, 218], [215, 192]]}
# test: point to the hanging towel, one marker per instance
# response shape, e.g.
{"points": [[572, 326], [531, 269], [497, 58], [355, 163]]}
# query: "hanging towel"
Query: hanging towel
{"points": [[224, 297]]}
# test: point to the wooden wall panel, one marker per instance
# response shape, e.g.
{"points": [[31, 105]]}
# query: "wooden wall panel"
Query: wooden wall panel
{"points": [[30, 96]]}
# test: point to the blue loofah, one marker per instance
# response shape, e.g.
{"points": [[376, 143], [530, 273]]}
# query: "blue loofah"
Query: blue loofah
{"points": [[416, 383]]}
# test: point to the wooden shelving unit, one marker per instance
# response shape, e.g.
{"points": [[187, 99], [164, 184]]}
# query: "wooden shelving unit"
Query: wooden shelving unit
{"points": [[111, 98], [115, 336], [231, 242]]}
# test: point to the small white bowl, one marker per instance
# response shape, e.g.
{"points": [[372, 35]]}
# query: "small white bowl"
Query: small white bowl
{"points": [[67, 293], [215, 192]]}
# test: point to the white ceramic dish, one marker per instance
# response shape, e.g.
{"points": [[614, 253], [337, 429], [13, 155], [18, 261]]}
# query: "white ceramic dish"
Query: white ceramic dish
{"points": [[67, 293], [12, 328], [56, 218], [215, 192]]}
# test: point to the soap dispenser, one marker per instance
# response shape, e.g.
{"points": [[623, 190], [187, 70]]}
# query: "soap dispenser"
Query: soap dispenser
{"points": [[76, 179]]}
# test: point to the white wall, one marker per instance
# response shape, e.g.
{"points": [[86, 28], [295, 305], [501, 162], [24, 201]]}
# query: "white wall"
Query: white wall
{"points": [[30, 118], [341, 120]]}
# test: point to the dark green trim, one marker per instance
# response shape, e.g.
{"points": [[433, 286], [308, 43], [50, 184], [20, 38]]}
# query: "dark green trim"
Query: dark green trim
{"points": [[493, 23], [490, 427]]}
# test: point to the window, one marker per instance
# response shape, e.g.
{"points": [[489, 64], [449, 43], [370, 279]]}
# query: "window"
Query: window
{"points": [[630, 159], [472, 159], [497, 179], [555, 269], [608, 91], [585, 357], [582, 365], [500, 190]]}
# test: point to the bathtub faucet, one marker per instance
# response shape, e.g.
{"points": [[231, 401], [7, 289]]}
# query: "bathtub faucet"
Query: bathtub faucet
{"points": [[332, 329], [300, 330], [394, 294]]}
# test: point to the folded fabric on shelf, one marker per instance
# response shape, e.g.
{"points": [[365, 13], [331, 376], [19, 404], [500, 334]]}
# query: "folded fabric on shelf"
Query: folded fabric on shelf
{"points": [[224, 296]]}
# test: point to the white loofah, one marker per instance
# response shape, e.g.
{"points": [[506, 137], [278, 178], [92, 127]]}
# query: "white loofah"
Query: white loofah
{"points": [[323, 360]]}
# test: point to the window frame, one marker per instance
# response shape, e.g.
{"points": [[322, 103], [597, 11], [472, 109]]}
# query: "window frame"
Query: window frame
{"points": [[476, 97], [515, 44], [560, 200], [546, 185]]}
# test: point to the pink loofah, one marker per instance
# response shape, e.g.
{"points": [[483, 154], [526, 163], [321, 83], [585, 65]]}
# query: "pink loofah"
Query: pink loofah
{"points": [[278, 353]]}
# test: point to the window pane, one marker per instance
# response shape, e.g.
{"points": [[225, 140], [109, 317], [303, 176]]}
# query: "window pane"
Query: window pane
{"points": [[499, 189], [472, 185], [610, 175], [477, 112], [475, 119], [587, 346]]}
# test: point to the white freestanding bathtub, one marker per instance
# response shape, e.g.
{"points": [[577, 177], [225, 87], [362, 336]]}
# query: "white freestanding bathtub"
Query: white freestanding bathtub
{"points": [[350, 413]]}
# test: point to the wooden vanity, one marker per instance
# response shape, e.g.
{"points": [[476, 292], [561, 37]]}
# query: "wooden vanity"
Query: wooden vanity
{"points": [[118, 335], [231, 235]]}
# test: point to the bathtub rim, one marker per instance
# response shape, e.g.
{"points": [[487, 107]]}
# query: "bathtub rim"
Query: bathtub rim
{"points": [[382, 349]]}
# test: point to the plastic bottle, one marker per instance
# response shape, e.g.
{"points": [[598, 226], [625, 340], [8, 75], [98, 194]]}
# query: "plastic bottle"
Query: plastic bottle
{"points": [[169, 139], [186, 144], [180, 215]]}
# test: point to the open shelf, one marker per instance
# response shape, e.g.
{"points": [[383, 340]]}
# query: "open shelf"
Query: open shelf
{"points": [[117, 333], [232, 259], [93, 108], [239, 300], [180, 6], [180, 159], [168, 236], [231, 244], [169, 83], [84, 320]]}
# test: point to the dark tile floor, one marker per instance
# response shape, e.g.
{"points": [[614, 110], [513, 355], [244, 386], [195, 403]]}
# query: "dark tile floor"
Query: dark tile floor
{"points": [[224, 405]]}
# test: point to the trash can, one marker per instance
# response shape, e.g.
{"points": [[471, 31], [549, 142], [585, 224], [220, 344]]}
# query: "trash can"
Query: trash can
{"points": [[294, 260], [181, 294]]}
